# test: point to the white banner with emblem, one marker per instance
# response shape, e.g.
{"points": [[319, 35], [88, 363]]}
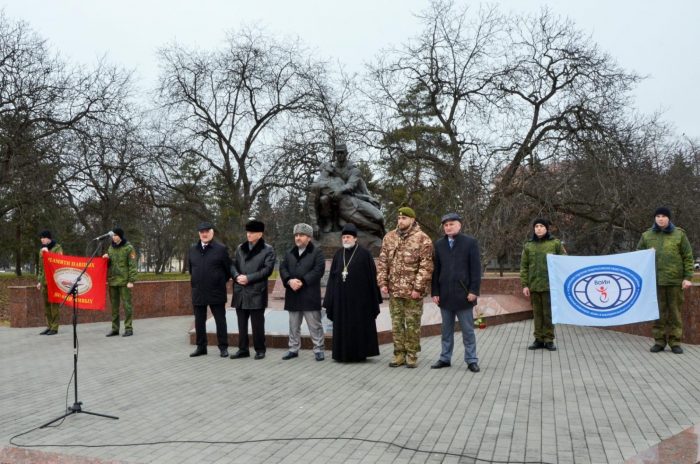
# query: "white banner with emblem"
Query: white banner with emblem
{"points": [[603, 290]]}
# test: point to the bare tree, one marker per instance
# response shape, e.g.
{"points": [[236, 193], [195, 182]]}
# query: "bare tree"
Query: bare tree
{"points": [[232, 106], [41, 97]]}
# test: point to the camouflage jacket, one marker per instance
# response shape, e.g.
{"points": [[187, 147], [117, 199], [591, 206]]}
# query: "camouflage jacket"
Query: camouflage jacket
{"points": [[122, 264], [53, 248], [674, 255], [406, 262], [533, 262]]}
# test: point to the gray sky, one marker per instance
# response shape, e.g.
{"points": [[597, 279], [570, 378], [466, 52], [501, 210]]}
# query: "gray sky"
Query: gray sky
{"points": [[656, 39]]}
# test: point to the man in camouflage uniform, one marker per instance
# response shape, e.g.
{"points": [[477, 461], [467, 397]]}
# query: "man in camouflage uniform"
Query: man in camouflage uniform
{"points": [[121, 276], [534, 279], [50, 309], [404, 270], [674, 273]]}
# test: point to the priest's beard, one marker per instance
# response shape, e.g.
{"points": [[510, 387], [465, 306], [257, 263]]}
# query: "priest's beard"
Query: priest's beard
{"points": [[347, 246]]}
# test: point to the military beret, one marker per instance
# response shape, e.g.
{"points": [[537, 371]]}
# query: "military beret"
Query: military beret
{"points": [[407, 211]]}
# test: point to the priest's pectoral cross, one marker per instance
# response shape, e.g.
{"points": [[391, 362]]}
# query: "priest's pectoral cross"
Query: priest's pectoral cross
{"points": [[344, 274]]}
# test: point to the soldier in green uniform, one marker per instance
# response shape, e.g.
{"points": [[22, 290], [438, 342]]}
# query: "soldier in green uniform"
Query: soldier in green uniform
{"points": [[50, 309], [674, 273], [534, 279], [404, 270], [121, 276]]}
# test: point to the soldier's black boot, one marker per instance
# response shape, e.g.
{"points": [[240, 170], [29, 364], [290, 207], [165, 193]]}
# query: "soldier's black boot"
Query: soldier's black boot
{"points": [[536, 345], [656, 348]]}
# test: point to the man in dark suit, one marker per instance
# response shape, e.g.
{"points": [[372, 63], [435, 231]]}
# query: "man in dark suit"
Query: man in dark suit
{"points": [[455, 287], [210, 269]]}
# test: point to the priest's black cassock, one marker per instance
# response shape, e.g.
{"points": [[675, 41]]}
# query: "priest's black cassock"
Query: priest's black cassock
{"points": [[353, 305]]}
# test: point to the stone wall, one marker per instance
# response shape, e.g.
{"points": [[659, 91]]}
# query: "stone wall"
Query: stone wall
{"points": [[151, 299], [690, 314], [5, 284]]}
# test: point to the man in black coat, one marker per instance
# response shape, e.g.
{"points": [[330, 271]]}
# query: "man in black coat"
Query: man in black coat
{"points": [[301, 271], [455, 287], [210, 269], [253, 263]]}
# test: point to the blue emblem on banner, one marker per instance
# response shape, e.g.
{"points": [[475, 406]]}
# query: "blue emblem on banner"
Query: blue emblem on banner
{"points": [[603, 291]]}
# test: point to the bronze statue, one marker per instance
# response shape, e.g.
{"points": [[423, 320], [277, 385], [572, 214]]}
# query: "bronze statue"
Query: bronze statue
{"points": [[339, 196]]}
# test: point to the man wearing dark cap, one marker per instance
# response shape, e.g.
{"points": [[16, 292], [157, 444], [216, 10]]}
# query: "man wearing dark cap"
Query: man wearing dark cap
{"points": [[50, 309], [455, 287], [210, 268], [352, 300], [534, 279], [301, 271], [674, 273], [121, 275], [404, 270], [252, 265]]}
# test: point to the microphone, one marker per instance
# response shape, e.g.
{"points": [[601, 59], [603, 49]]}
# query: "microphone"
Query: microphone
{"points": [[109, 234]]}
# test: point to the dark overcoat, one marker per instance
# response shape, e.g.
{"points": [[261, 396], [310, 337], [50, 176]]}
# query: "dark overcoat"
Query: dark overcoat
{"points": [[457, 272], [210, 269], [353, 305], [257, 264], [308, 268]]}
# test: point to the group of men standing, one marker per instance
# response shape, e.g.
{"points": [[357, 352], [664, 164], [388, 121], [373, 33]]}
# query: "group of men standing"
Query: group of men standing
{"points": [[410, 266]]}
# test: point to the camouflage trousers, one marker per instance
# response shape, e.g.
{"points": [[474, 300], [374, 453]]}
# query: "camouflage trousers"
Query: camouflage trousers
{"points": [[668, 328], [50, 310], [116, 296], [405, 324], [542, 315]]}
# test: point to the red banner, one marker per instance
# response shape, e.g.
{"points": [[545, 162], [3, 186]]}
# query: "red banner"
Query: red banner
{"points": [[62, 270]]}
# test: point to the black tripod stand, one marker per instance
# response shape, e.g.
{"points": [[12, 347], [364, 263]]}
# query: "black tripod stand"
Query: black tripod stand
{"points": [[77, 405]]}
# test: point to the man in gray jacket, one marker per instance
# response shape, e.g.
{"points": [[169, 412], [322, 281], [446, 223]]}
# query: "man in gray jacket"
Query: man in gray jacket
{"points": [[252, 265]]}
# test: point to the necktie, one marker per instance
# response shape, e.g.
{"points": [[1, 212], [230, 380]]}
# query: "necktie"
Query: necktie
{"points": [[451, 241]]}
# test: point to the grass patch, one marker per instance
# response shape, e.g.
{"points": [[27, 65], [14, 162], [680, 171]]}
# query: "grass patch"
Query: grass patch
{"points": [[11, 275]]}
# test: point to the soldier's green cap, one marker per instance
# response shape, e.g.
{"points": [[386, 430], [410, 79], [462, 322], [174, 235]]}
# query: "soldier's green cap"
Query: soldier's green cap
{"points": [[407, 211]]}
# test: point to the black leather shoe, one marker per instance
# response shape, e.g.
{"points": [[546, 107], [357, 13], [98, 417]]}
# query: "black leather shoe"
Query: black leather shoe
{"points": [[550, 346], [677, 349], [536, 345], [44, 332], [656, 348], [198, 352], [112, 334], [240, 354], [440, 364], [223, 353], [288, 355], [52, 332], [128, 333], [319, 356], [260, 355], [474, 367]]}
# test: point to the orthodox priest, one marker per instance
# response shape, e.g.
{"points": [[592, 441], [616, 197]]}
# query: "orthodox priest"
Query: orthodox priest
{"points": [[352, 300]]}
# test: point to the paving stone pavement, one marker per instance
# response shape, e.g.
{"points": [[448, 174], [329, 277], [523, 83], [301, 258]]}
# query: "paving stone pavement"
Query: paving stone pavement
{"points": [[602, 397]]}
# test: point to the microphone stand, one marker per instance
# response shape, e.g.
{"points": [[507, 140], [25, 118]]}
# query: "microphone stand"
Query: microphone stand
{"points": [[77, 405]]}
